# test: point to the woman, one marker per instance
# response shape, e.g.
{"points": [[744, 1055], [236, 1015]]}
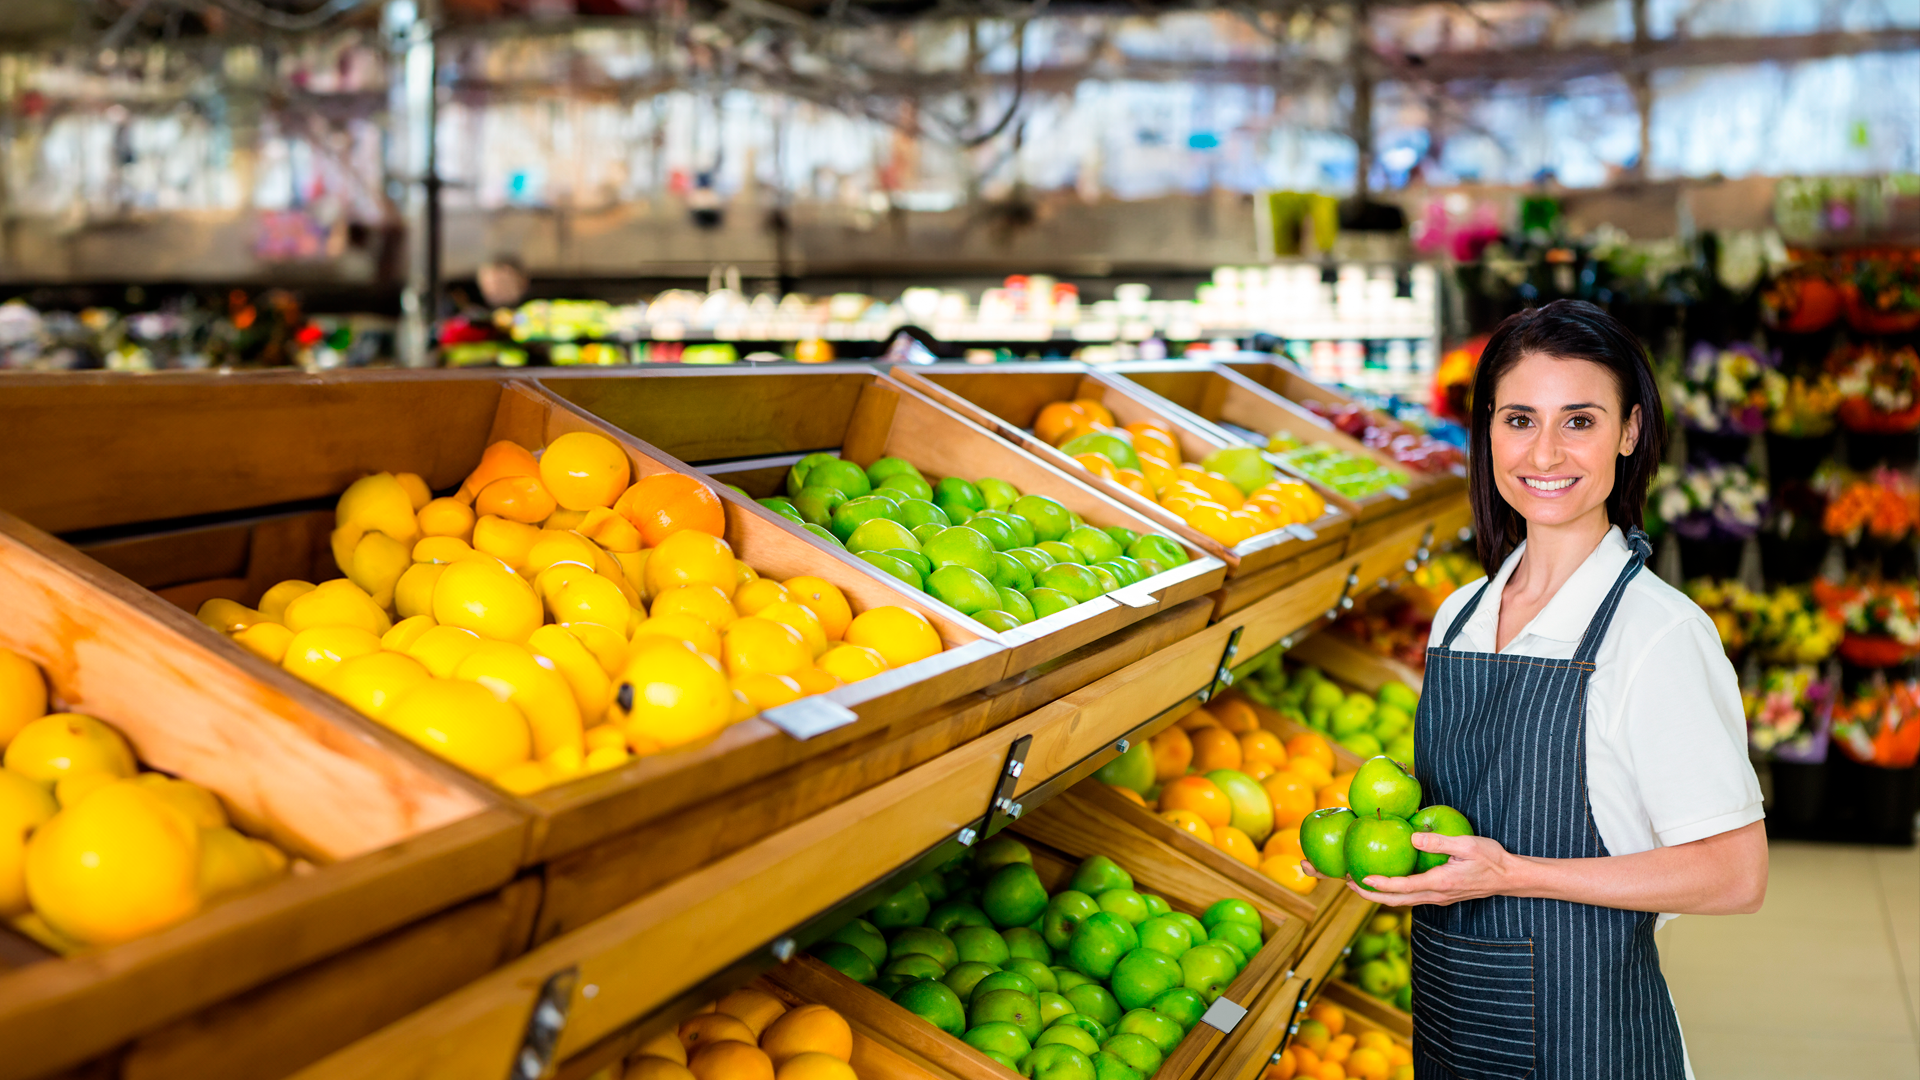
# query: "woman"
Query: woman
{"points": [[1582, 715]]}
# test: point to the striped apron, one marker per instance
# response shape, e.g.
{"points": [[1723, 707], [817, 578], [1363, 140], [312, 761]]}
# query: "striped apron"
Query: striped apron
{"points": [[1509, 987]]}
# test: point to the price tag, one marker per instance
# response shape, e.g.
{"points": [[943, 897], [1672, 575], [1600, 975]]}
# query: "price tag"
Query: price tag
{"points": [[1301, 532], [810, 716], [1223, 1014], [1398, 492], [1135, 598]]}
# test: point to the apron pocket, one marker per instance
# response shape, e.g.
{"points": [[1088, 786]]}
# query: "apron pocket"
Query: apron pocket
{"points": [[1474, 1003]]}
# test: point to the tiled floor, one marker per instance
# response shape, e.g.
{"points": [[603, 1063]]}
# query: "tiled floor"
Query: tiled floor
{"points": [[1823, 982]]}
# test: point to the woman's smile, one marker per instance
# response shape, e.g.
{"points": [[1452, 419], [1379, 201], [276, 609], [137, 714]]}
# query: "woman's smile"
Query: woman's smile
{"points": [[1549, 486]]}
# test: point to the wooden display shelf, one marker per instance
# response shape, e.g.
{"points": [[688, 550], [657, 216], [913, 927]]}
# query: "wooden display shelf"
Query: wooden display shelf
{"points": [[1058, 843], [887, 421], [1354, 664], [1006, 398], [641, 958], [390, 838]]}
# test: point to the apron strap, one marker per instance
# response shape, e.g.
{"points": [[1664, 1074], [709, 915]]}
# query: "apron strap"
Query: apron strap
{"points": [[1460, 620], [1603, 618]]}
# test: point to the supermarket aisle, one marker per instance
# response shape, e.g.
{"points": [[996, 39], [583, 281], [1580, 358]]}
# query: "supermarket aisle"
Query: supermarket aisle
{"points": [[1823, 982]]}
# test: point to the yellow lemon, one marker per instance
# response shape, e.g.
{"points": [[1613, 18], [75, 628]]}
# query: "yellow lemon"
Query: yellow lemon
{"points": [[523, 779], [24, 807], [824, 599], [902, 635], [378, 503], [76, 786], [687, 627], [814, 681], [761, 646], [591, 599], [227, 616], [372, 682], [405, 632], [564, 521], [742, 573], [443, 549], [584, 470], [65, 744], [447, 517], [230, 863], [801, 618], [441, 648], [576, 664], [118, 864], [556, 576], [610, 530], [463, 722], [633, 567], [273, 603], [413, 593], [605, 735], [23, 693], [564, 764], [669, 695], [764, 691], [378, 562], [851, 663], [691, 557], [559, 547], [530, 683], [609, 646], [336, 603], [600, 759], [418, 493], [266, 640], [200, 805], [487, 600], [753, 595], [700, 600], [313, 653], [508, 541]]}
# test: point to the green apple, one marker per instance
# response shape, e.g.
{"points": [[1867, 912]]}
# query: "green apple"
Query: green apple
{"points": [[1444, 820], [1085, 1023], [1006, 1006], [1009, 572], [1142, 975], [1097, 874], [1068, 1035], [1060, 552], [797, 474], [1161, 549], [959, 498], [1382, 785], [913, 487], [1114, 444], [1195, 928], [1156, 905], [1379, 845], [1025, 943], [845, 476], [1037, 973], [1003, 980], [979, 943], [1208, 970], [1063, 916], [1165, 934], [960, 546], [1053, 1006], [1068, 978], [1093, 544], [999, 1037], [962, 977], [1013, 896], [1122, 536], [853, 513], [1231, 910], [1093, 1000], [919, 939], [1000, 851], [961, 589], [1135, 1050], [893, 567], [1108, 1067], [1240, 935], [1125, 903], [1050, 520], [783, 506], [935, 1003], [917, 965], [1163, 1031], [908, 907], [1015, 604], [917, 512], [847, 960], [817, 504], [1046, 602], [1076, 581], [998, 493], [926, 532], [1323, 836], [880, 470], [1057, 1061], [1132, 770], [1184, 1005], [1032, 558], [866, 937], [956, 913]]}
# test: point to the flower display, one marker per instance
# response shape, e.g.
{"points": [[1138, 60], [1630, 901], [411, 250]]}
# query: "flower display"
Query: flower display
{"points": [[1882, 619], [1723, 390], [1788, 713], [1798, 407], [1787, 625], [1877, 387], [1883, 296], [1884, 504], [1801, 300], [1713, 501], [1880, 724]]}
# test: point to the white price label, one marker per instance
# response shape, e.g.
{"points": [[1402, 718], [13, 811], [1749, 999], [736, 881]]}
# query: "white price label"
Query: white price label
{"points": [[808, 717], [1223, 1014], [1301, 532]]}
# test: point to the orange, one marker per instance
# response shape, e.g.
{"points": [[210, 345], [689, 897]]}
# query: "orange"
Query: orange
{"points": [[1133, 480], [649, 1067], [1129, 794], [1314, 1036], [1263, 747], [704, 602], [1339, 1048], [1217, 522], [1285, 869], [754, 1008], [683, 625], [1148, 435], [1159, 473], [1292, 797], [1306, 1062], [1329, 796], [1190, 822], [584, 470], [1201, 796], [1235, 714], [1220, 489], [1331, 1015], [755, 646], [802, 619], [1172, 753], [1214, 748], [753, 595], [730, 1060], [668, 503], [1399, 1056], [1198, 718], [807, 1029], [1313, 745], [764, 691], [1096, 412], [1328, 1070], [1374, 1040], [1259, 770], [702, 1028], [447, 517], [1344, 780], [1098, 465], [609, 530], [825, 600], [812, 1066], [1055, 419], [1282, 1069], [814, 681], [516, 498], [1368, 1065], [689, 557], [1311, 771], [499, 460], [851, 663], [1237, 844], [902, 635], [673, 695]]}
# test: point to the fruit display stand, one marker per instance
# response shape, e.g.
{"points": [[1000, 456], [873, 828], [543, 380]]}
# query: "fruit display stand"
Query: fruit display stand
{"points": [[883, 420], [1354, 665], [1006, 399], [392, 843], [1058, 843], [1274, 1016]]}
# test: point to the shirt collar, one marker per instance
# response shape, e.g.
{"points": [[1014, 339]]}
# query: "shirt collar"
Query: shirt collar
{"points": [[1566, 616]]}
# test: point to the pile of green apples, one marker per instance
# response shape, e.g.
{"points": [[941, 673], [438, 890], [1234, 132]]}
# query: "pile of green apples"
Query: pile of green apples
{"points": [[1367, 725], [1373, 834], [1379, 962], [1098, 981], [985, 550]]}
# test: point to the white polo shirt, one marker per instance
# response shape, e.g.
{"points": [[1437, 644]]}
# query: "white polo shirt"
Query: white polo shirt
{"points": [[1666, 734]]}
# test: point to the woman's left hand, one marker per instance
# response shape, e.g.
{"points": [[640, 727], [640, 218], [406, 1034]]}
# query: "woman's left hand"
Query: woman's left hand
{"points": [[1478, 867]]}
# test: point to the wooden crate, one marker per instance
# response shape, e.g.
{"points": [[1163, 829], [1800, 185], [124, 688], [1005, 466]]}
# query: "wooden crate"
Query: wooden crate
{"points": [[1267, 1022], [393, 836], [1353, 663], [1368, 1013], [1221, 396], [884, 421], [1006, 398], [1058, 843]]}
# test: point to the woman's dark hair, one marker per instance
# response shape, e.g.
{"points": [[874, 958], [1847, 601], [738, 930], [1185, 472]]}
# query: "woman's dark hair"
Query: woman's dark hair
{"points": [[1569, 330]]}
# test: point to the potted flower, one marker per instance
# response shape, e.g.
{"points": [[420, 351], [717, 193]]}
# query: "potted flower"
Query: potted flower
{"points": [[1883, 296], [1721, 396], [1713, 507], [1728, 604], [1801, 300], [1877, 388], [1800, 423], [1882, 620], [1787, 626], [1789, 713]]}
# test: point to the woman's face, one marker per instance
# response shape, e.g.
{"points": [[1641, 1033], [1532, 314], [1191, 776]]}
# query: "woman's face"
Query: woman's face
{"points": [[1557, 428]]}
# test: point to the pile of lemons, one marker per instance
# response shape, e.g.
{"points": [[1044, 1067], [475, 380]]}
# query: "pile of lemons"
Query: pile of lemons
{"points": [[552, 619], [92, 850]]}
